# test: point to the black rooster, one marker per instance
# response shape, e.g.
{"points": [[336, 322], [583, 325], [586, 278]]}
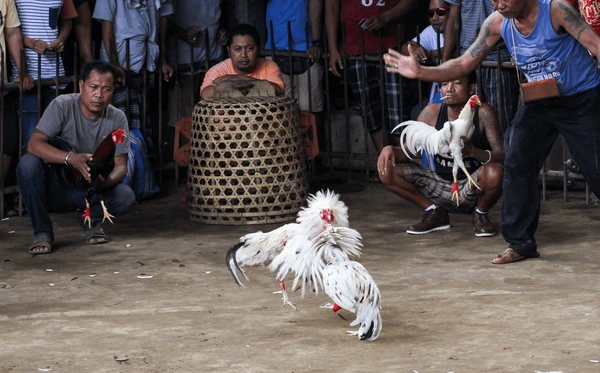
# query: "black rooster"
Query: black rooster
{"points": [[102, 163]]}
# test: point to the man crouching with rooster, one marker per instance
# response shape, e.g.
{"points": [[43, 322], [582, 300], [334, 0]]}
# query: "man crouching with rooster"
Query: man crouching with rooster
{"points": [[77, 160], [440, 189]]}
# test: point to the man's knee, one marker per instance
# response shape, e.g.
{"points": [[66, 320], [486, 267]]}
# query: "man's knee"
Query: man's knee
{"points": [[30, 167], [124, 199], [492, 175]]}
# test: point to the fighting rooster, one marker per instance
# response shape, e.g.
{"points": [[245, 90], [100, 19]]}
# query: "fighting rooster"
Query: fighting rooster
{"points": [[102, 163], [352, 288], [346, 282], [262, 248], [421, 136]]}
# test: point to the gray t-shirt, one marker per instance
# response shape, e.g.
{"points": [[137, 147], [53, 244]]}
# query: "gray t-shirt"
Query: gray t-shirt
{"points": [[64, 118]]}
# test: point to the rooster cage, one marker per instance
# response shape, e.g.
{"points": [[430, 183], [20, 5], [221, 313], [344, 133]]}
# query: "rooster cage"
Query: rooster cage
{"points": [[246, 163]]}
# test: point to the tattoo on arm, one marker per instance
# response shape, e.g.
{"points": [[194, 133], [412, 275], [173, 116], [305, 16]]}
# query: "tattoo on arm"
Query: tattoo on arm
{"points": [[491, 128], [427, 115], [479, 46], [572, 18]]}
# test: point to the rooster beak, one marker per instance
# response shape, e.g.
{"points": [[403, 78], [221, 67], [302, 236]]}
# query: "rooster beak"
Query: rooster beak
{"points": [[478, 102], [232, 264]]}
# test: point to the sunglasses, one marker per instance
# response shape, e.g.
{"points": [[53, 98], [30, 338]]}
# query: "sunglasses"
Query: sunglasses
{"points": [[439, 11]]}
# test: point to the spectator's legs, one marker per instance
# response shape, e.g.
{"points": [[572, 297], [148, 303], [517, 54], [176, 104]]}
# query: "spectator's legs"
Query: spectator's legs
{"points": [[491, 94], [581, 130], [365, 85], [31, 177]]}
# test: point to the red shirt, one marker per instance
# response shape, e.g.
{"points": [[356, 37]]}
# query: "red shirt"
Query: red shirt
{"points": [[353, 11]]}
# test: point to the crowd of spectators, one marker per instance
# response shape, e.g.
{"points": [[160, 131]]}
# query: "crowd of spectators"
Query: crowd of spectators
{"points": [[178, 41]]}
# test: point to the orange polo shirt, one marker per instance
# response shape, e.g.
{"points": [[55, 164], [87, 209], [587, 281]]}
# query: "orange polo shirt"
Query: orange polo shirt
{"points": [[265, 70]]}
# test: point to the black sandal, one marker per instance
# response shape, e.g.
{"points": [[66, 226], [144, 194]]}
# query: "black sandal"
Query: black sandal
{"points": [[95, 235]]}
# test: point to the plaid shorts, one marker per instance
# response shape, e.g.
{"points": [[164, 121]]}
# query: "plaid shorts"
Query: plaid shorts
{"points": [[438, 190], [370, 87]]}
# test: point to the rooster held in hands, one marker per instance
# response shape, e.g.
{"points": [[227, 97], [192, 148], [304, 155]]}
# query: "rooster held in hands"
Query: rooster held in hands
{"points": [[101, 165], [421, 136]]}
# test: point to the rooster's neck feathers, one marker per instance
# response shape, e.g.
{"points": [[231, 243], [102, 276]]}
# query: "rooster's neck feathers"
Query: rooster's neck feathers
{"points": [[468, 110]]}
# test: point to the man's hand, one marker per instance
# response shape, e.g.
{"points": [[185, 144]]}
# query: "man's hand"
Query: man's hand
{"points": [[468, 149], [386, 158], [191, 34], [315, 52], [167, 71], [225, 78], [336, 63], [375, 23], [121, 74], [56, 46], [420, 52], [28, 82], [79, 162], [407, 66], [40, 46], [222, 36]]}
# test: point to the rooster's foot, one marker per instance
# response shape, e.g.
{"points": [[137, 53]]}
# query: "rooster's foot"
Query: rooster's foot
{"points": [[107, 215]]}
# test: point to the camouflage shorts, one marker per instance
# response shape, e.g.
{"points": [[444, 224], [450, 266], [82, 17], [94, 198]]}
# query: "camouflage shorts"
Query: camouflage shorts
{"points": [[438, 190]]}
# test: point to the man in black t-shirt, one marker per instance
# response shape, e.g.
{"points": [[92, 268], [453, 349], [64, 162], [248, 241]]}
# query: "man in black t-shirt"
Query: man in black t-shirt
{"points": [[431, 188]]}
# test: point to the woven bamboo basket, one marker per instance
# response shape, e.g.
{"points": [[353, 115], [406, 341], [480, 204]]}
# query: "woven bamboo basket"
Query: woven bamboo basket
{"points": [[247, 163]]}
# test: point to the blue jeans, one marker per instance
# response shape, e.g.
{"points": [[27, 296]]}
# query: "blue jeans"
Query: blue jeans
{"points": [[43, 192], [529, 141]]}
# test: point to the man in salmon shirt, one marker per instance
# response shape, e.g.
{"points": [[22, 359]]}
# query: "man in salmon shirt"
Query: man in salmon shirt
{"points": [[244, 63]]}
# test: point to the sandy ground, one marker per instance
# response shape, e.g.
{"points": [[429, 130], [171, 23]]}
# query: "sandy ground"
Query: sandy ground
{"points": [[446, 308]]}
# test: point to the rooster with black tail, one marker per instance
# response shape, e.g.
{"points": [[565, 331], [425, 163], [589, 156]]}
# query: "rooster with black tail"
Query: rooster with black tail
{"points": [[101, 165]]}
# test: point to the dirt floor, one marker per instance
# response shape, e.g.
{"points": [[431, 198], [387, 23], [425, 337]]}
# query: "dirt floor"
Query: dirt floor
{"points": [[446, 308]]}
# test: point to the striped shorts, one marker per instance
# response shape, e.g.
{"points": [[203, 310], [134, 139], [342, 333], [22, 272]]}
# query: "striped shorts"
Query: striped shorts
{"points": [[438, 190]]}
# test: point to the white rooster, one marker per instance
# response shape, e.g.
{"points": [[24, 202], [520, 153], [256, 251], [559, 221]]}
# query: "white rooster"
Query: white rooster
{"points": [[282, 244], [347, 282], [421, 136]]}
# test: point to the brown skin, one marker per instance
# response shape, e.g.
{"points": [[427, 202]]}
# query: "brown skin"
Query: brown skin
{"points": [[55, 46], [332, 25], [439, 25], [332, 22], [565, 19], [96, 94], [244, 54], [489, 176], [453, 23], [83, 32], [108, 39], [14, 43]]}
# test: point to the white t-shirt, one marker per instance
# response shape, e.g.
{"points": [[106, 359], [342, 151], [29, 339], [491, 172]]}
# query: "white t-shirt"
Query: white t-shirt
{"points": [[429, 40]]}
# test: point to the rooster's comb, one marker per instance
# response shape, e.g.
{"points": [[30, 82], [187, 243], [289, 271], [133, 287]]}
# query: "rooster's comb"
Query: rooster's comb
{"points": [[474, 101]]}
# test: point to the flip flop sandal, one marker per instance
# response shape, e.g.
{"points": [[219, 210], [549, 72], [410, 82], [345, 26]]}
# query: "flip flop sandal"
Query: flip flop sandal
{"points": [[95, 235], [501, 258], [44, 242]]}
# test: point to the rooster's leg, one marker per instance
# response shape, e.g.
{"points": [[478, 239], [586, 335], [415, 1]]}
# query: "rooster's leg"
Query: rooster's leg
{"points": [[87, 214], [106, 216], [286, 299], [454, 190], [472, 183]]}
